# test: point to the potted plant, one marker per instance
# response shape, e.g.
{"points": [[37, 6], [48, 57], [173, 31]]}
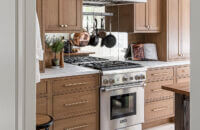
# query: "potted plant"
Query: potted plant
{"points": [[56, 44]]}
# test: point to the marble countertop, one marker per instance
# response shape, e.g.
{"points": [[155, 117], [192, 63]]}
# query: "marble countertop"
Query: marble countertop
{"points": [[74, 70], [155, 64], [68, 70]]}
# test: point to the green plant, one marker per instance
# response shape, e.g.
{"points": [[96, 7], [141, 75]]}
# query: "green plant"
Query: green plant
{"points": [[55, 43]]}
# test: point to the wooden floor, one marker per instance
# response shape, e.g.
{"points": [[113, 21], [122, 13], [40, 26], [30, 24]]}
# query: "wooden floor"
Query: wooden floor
{"points": [[163, 127]]}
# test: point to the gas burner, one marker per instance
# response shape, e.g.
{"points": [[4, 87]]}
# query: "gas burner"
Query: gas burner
{"points": [[110, 65], [82, 59]]}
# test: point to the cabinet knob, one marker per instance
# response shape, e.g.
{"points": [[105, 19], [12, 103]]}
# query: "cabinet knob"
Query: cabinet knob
{"points": [[62, 26], [65, 26], [180, 55]]}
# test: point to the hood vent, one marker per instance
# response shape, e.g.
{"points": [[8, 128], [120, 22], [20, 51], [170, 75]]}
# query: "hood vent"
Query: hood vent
{"points": [[110, 2]]}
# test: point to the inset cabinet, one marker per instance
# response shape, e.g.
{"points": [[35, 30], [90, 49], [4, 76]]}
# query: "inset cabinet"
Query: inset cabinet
{"points": [[137, 18], [63, 15]]}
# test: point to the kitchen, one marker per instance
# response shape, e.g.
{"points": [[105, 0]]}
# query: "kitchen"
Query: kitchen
{"points": [[113, 85]]}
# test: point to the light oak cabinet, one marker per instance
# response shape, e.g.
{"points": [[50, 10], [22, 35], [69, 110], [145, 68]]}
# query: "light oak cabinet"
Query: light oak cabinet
{"points": [[159, 103], [173, 43], [137, 18], [73, 102], [63, 15], [178, 29]]}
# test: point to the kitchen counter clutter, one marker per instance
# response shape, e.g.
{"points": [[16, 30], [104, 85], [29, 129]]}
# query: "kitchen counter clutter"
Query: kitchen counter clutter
{"points": [[68, 70]]}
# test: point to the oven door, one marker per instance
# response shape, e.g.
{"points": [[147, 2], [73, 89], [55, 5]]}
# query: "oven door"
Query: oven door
{"points": [[121, 107]]}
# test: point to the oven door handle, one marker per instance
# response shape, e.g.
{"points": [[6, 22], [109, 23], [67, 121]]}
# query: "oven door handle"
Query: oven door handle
{"points": [[125, 86]]}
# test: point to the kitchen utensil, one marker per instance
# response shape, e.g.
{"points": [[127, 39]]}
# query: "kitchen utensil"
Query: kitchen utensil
{"points": [[110, 40], [81, 39], [94, 40], [101, 32]]}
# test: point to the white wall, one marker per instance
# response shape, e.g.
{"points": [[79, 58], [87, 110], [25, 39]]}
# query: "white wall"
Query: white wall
{"points": [[7, 64]]}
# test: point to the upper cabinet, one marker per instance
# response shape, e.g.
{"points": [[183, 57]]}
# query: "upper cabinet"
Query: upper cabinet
{"points": [[137, 18], [63, 15], [173, 43], [178, 29]]}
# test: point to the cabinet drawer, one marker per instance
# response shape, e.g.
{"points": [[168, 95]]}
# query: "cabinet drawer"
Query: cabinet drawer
{"points": [[159, 110], [88, 122], [65, 106], [160, 74], [183, 71], [75, 84], [41, 88], [183, 80], [154, 91], [41, 106]]}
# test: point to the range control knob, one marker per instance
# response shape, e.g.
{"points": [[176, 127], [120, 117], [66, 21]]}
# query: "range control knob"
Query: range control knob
{"points": [[131, 78], [137, 77], [111, 81], [142, 76], [125, 79], [105, 81]]}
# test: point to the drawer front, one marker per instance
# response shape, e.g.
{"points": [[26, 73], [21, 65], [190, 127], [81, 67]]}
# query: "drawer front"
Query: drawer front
{"points": [[183, 71], [154, 91], [88, 122], [65, 106], [75, 84], [42, 106], [183, 80], [160, 74], [159, 110], [41, 88]]}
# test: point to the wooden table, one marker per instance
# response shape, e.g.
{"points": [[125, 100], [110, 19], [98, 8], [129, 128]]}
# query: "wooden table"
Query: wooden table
{"points": [[182, 105]]}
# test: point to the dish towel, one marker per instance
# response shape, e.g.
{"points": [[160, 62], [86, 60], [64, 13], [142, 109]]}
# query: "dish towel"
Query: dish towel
{"points": [[39, 50]]}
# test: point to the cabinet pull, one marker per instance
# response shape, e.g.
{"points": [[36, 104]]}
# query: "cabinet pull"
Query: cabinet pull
{"points": [[77, 127], [76, 103], [68, 85], [61, 26], [157, 74], [157, 90], [159, 109], [66, 26]]}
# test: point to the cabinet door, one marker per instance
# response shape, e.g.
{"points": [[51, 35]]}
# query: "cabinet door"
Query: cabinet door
{"points": [[63, 15], [154, 12], [184, 28], [70, 14], [51, 15], [140, 17], [173, 29]]}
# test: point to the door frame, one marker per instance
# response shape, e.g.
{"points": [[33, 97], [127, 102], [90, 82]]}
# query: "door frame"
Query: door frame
{"points": [[25, 65]]}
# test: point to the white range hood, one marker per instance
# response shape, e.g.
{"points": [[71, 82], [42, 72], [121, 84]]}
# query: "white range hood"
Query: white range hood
{"points": [[111, 2]]}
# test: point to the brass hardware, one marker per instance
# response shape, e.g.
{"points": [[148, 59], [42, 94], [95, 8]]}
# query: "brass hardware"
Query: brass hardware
{"points": [[76, 103], [66, 26], [61, 26], [157, 74], [157, 90], [77, 127], [68, 85], [159, 109]]}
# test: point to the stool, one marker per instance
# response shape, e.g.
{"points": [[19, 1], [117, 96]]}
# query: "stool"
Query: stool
{"points": [[43, 122]]}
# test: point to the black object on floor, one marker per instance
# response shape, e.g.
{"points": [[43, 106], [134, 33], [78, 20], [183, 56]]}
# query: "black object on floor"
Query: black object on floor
{"points": [[43, 122]]}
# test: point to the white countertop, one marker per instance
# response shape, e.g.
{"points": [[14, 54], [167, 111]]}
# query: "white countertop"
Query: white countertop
{"points": [[154, 64], [74, 70], [68, 70]]}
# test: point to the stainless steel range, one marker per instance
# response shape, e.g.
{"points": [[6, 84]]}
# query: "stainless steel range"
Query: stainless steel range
{"points": [[121, 94]]}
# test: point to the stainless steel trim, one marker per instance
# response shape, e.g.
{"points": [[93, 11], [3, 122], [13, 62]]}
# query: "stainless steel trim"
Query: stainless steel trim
{"points": [[124, 86]]}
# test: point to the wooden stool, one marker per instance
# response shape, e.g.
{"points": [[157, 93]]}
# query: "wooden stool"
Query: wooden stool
{"points": [[43, 122]]}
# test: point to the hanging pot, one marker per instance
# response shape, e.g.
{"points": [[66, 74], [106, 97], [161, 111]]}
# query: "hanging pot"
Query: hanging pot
{"points": [[110, 40], [94, 39], [81, 39]]}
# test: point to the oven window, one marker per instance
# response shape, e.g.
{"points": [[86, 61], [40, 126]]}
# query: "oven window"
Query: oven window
{"points": [[123, 105]]}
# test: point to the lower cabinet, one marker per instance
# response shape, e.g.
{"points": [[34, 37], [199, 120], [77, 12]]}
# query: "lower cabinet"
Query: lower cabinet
{"points": [[159, 103], [73, 102]]}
